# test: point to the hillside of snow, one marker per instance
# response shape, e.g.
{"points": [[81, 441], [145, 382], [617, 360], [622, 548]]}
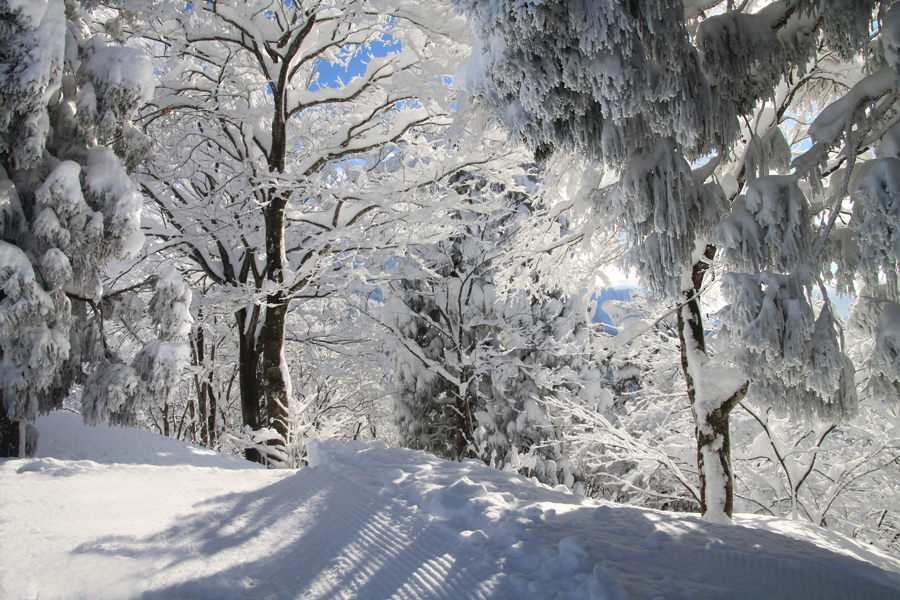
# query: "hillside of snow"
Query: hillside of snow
{"points": [[120, 513]]}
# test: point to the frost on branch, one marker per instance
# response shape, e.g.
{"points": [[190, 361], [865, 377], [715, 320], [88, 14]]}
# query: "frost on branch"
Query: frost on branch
{"points": [[884, 361], [878, 200], [110, 191], [603, 78], [34, 339], [596, 78], [68, 232], [766, 153], [663, 213], [116, 81], [767, 228], [108, 394], [160, 362], [793, 357], [846, 23], [741, 58], [31, 51], [117, 392]]}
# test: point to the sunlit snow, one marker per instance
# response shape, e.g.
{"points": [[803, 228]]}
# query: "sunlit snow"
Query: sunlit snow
{"points": [[121, 513]]}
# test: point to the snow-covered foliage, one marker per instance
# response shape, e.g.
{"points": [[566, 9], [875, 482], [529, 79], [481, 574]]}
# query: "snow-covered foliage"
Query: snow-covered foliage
{"points": [[67, 97], [161, 361], [637, 448], [475, 367], [651, 87]]}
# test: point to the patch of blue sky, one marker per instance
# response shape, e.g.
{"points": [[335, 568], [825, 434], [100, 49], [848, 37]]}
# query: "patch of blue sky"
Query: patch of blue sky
{"points": [[352, 62]]}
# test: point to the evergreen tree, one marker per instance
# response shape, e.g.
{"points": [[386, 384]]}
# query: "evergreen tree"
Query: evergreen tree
{"points": [[67, 94]]}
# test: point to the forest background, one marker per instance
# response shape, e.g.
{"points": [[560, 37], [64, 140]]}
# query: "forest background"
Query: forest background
{"points": [[251, 225]]}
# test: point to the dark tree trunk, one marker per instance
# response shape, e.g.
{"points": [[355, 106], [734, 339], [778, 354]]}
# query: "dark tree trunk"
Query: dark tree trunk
{"points": [[206, 399], [248, 374], [209, 394], [9, 434], [200, 383], [465, 427], [275, 378]]}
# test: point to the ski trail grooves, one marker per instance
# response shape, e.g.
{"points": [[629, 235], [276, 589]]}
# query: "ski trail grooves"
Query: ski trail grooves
{"points": [[394, 554], [311, 535], [552, 545]]}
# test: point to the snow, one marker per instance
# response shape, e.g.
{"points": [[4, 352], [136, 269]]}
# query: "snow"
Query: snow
{"points": [[121, 513], [65, 438], [890, 36], [122, 68], [32, 11], [833, 119]]}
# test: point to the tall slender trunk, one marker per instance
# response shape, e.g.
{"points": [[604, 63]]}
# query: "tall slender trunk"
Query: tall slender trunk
{"points": [[274, 367], [276, 379], [711, 422], [166, 411], [206, 399], [209, 417], [465, 432], [200, 381]]}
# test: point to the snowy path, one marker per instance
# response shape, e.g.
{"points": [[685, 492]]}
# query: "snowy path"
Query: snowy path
{"points": [[304, 535], [371, 522]]}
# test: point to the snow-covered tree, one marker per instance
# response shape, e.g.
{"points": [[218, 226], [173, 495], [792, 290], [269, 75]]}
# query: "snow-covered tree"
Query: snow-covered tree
{"points": [[474, 366], [650, 88], [278, 185], [68, 93], [637, 447]]}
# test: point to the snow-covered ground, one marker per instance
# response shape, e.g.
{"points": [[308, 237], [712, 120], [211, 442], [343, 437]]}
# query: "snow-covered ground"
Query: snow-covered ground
{"points": [[120, 513]]}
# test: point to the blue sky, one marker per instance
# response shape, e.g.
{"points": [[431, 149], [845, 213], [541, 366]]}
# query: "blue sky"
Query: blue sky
{"points": [[331, 74]]}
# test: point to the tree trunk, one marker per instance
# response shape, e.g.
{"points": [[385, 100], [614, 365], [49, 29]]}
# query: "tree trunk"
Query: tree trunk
{"points": [[209, 394], [465, 426], [248, 374], [711, 423], [714, 463], [9, 434], [276, 379], [200, 383]]}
